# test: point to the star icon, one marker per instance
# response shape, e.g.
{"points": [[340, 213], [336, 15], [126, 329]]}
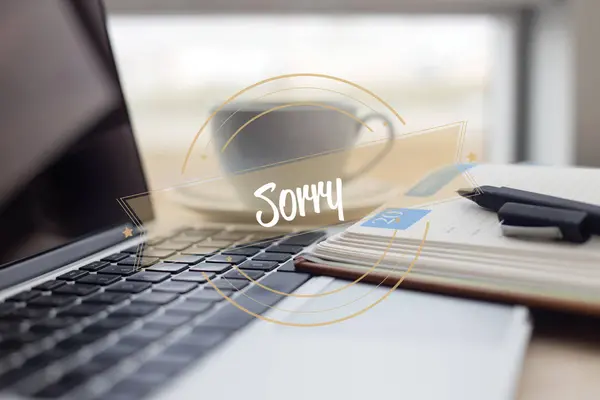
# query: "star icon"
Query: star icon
{"points": [[127, 232], [229, 259], [471, 157]]}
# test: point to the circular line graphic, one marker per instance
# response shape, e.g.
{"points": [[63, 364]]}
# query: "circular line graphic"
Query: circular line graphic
{"points": [[342, 319], [314, 104], [292, 105], [239, 93]]}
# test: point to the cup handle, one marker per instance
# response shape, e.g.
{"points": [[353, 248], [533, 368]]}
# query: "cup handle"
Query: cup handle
{"points": [[388, 147]]}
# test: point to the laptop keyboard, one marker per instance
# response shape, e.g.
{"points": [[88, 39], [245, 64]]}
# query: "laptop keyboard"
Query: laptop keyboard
{"points": [[111, 329]]}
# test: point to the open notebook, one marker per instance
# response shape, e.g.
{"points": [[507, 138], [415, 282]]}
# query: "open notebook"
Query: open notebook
{"points": [[459, 246]]}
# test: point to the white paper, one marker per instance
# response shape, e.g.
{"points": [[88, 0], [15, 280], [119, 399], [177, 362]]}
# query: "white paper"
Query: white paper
{"points": [[465, 240]]}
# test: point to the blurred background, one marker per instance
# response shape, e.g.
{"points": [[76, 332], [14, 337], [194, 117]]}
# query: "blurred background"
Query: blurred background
{"points": [[521, 72]]}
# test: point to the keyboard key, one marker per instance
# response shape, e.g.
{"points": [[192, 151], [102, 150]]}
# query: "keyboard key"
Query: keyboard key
{"points": [[47, 357], [220, 258], [192, 236], [77, 289], [262, 242], [107, 298], [225, 284], [230, 235], [135, 310], [254, 275], [122, 270], [158, 253], [211, 296], [258, 265], [257, 301], [24, 296], [113, 258], [258, 243], [131, 388], [173, 245], [242, 251], [6, 308], [95, 266], [165, 366], [138, 343], [99, 279], [211, 267], [176, 287], [90, 370], [171, 268], [268, 235], [285, 249], [28, 313], [53, 324], [156, 298], [188, 239], [221, 244], [151, 277], [128, 287], [189, 307], [277, 257], [185, 259], [145, 333], [156, 240], [8, 327], [140, 262], [201, 250], [192, 277], [49, 285], [303, 239], [19, 339], [115, 353], [231, 317], [62, 386], [200, 231], [285, 282], [72, 275], [13, 376], [84, 310], [108, 324], [167, 322], [287, 266], [78, 341], [52, 301], [282, 282]]}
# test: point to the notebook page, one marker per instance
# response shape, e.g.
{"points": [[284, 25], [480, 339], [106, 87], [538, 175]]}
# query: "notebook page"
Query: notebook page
{"points": [[461, 223]]}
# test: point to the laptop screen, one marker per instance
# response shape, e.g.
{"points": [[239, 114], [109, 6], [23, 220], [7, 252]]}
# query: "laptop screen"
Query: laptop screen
{"points": [[67, 152]]}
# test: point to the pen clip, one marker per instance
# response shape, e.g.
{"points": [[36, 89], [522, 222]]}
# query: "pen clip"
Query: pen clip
{"points": [[537, 222]]}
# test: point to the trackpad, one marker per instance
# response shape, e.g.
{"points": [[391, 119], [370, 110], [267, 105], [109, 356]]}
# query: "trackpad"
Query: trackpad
{"points": [[414, 345], [407, 345]]}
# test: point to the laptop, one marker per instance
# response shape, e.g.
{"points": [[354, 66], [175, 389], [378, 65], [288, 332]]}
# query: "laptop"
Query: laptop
{"points": [[84, 316]]}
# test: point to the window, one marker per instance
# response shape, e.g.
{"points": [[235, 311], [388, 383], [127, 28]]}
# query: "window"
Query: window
{"points": [[532, 63], [432, 69]]}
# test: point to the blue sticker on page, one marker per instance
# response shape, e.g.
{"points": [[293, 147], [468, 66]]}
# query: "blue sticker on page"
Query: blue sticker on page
{"points": [[396, 218], [435, 181]]}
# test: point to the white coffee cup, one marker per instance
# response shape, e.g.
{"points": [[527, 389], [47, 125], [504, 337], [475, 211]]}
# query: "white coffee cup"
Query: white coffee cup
{"points": [[290, 144]]}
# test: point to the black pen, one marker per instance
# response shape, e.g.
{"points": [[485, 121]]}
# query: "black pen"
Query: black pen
{"points": [[493, 198]]}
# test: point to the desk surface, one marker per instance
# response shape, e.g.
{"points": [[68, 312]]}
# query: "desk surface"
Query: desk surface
{"points": [[563, 358]]}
